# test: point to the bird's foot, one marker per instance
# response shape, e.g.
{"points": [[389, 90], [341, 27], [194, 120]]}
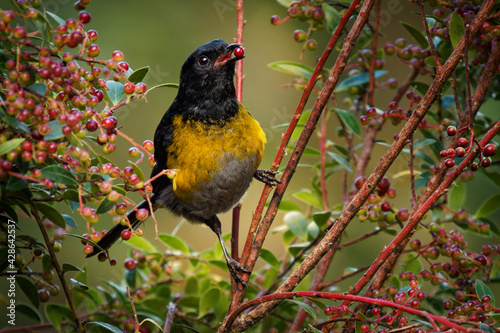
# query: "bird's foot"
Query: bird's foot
{"points": [[267, 177], [234, 268]]}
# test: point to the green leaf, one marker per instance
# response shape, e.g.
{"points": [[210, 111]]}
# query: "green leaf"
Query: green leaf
{"points": [[412, 264], [131, 277], [10, 145], [456, 196], [96, 326], [115, 91], [140, 243], [292, 67], [138, 75], [208, 301], [14, 123], [309, 198], [297, 223], [306, 307], [482, 289], [358, 80], [286, 205], [58, 174], [488, 207], [456, 28], [486, 328], [70, 221], [340, 160], [314, 329], [191, 287], [51, 213], [416, 34], [16, 184], [332, 16], [494, 177], [137, 170], [29, 289], [431, 61], [56, 18], [55, 131], [349, 120], [167, 85], [56, 313], [29, 312], [78, 284], [321, 218], [270, 258], [174, 242], [71, 268], [104, 206]]}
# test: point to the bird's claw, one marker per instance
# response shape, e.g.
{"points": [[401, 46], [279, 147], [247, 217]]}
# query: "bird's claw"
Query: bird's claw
{"points": [[267, 177], [234, 268]]}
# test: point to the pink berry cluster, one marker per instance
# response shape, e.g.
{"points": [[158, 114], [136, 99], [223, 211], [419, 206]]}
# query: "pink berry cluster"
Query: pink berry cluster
{"points": [[378, 207], [464, 147], [307, 11], [58, 109]]}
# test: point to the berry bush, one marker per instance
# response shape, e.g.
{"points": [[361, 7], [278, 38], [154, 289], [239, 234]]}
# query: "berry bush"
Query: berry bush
{"points": [[58, 132]]}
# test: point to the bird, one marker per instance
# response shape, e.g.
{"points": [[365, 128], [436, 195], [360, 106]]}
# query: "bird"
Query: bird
{"points": [[210, 141]]}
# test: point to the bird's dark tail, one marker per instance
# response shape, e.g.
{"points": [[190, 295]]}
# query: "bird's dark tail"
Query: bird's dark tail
{"points": [[115, 233]]}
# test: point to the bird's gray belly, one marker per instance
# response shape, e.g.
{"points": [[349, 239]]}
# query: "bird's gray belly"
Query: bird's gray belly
{"points": [[219, 195]]}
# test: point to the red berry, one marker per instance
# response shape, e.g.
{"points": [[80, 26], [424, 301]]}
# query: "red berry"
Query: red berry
{"points": [[363, 119], [140, 88], [359, 182], [84, 17], [118, 56], [91, 125], [93, 50], [275, 19], [384, 183], [126, 234], [462, 142], [129, 88], [489, 150], [451, 130], [123, 65], [130, 264], [486, 162], [239, 52], [449, 163], [88, 249], [142, 214], [403, 214]]}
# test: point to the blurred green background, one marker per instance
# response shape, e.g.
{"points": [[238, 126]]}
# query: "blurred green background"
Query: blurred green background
{"points": [[161, 34]]}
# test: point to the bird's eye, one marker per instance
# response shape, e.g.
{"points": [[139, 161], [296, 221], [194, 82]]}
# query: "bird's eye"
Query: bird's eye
{"points": [[203, 61]]}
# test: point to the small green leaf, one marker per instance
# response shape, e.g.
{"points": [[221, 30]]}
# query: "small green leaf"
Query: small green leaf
{"points": [[167, 85], [55, 131], [174, 242], [29, 289], [306, 307], [456, 28], [482, 289], [486, 328], [138, 75], [56, 18], [270, 258], [56, 313], [431, 61], [29, 312], [416, 34], [70, 221], [412, 264], [78, 284], [488, 207], [71, 268], [297, 223], [104, 206], [16, 184], [349, 120], [137, 170], [191, 286], [51, 213], [321, 218], [357, 80], [208, 301], [314, 329], [292, 67], [332, 16], [286, 205], [10, 145], [96, 326], [58, 174], [309, 198], [131, 277], [140, 243], [115, 91], [456, 196], [340, 160]]}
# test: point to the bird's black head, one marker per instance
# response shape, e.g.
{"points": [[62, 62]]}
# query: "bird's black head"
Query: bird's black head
{"points": [[207, 75]]}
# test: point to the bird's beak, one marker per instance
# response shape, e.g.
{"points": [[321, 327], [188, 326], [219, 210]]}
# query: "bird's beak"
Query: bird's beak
{"points": [[229, 57]]}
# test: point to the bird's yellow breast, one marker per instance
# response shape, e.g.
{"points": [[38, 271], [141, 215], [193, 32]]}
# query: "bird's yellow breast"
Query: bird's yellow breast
{"points": [[200, 150]]}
